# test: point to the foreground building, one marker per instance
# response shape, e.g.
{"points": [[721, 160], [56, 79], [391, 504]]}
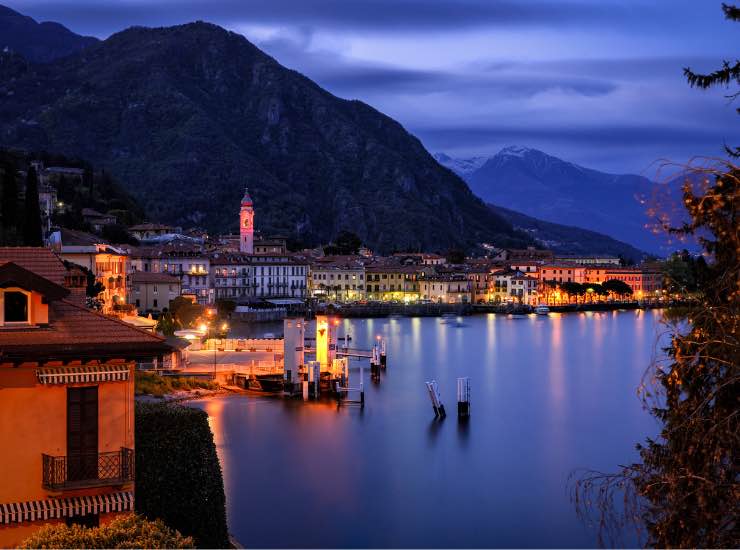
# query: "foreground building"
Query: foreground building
{"points": [[66, 401]]}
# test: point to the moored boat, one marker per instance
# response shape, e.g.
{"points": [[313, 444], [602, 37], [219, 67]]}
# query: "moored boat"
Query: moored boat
{"points": [[542, 309]]}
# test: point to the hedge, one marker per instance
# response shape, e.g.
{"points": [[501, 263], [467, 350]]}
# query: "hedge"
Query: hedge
{"points": [[129, 531], [178, 476]]}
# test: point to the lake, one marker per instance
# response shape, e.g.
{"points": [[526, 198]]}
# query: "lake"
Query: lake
{"points": [[549, 395]]}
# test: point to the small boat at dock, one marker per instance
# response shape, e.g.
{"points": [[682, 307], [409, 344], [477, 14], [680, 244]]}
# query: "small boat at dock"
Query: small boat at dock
{"points": [[542, 309]]}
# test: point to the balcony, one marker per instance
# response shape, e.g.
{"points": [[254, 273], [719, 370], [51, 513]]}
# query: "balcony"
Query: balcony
{"points": [[87, 470]]}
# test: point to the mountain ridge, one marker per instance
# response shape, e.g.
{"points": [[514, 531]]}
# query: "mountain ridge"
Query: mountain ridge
{"points": [[186, 116], [38, 42], [550, 189]]}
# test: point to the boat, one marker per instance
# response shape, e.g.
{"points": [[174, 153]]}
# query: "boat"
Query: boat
{"points": [[542, 309], [269, 383]]}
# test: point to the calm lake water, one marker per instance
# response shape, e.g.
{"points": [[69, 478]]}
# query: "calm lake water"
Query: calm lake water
{"points": [[549, 395]]}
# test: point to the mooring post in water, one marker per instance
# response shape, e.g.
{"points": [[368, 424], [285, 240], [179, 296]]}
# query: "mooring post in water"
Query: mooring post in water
{"points": [[382, 353], [314, 378], [362, 387], [439, 408], [463, 397], [375, 364]]}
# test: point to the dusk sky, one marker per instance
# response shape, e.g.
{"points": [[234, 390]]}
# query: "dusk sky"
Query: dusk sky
{"points": [[596, 82]]}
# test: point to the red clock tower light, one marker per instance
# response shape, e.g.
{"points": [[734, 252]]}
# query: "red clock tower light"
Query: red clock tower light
{"points": [[246, 224]]}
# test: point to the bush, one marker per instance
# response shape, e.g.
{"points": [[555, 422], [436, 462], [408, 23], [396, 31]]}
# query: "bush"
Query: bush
{"points": [[178, 476], [129, 531], [153, 384]]}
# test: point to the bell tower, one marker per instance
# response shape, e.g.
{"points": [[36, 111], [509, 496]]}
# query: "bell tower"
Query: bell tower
{"points": [[246, 224]]}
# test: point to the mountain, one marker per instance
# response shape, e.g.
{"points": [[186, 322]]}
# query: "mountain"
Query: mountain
{"points": [[38, 42], [567, 239], [550, 189], [461, 167], [185, 117]]}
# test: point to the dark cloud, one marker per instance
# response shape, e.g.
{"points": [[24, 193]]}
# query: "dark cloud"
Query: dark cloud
{"points": [[389, 15]]}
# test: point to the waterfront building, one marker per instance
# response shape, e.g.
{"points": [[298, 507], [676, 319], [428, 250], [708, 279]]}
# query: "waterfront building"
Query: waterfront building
{"points": [[340, 278], [385, 281], [444, 288], [151, 292], [562, 273], [232, 276], [280, 276], [523, 288], [108, 263], [644, 282], [67, 405]]}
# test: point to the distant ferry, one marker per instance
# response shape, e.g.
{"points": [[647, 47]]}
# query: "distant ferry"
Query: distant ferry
{"points": [[542, 309]]}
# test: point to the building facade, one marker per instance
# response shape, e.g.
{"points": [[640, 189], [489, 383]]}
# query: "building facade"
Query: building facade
{"points": [[67, 402], [152, 292]]}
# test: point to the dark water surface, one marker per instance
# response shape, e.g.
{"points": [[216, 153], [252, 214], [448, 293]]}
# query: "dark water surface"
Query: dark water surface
{"points": [[549, 395]]}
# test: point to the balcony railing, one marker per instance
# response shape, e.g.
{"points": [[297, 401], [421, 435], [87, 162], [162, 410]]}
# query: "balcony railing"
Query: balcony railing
{"points": [[87, 470]]}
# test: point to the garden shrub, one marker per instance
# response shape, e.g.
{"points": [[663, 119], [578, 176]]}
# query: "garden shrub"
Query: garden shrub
{"points": [[178, 476], [128, 531]]}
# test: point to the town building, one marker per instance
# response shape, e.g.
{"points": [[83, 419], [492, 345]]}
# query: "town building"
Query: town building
{"points": [[644, 282], [562, 273], [388, 281], [151, 292], [446, 289], [67, 401], [270, 246], [523, 288], [184, 260], [339, 278], [109, 264], [280, 276], [153, 231], [589, 260], [232, 276], [96, 219]]}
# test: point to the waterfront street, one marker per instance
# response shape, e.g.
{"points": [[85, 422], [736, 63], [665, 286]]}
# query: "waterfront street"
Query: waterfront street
{"points": [[549, 395]]}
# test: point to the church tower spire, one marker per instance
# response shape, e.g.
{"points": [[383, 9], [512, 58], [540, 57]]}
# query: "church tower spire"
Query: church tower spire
{"points": [[246, 224]]}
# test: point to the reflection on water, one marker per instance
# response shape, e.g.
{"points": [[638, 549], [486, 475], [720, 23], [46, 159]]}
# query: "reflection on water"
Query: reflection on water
{"points": [[549, 395]]}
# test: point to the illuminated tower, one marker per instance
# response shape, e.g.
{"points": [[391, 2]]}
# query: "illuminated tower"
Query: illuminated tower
{"points": [[246, 224]]}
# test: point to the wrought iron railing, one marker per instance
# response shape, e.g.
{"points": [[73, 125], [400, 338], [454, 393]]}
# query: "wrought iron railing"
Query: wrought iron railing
{"points": [[87, 469]]}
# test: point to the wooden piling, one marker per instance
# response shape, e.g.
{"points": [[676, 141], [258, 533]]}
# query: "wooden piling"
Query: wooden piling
{"points": [[436, 398], [463, 397]]}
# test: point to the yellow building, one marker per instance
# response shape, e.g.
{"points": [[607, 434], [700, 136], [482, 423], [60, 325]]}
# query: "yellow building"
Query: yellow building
{"points": [[66, 401], [446, 289], [388, 282]]}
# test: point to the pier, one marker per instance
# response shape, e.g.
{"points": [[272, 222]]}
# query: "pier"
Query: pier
{"points": [[287, 365]]}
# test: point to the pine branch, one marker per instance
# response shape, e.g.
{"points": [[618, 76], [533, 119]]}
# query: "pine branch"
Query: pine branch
{"points": [[731, 12], [725, 75]]}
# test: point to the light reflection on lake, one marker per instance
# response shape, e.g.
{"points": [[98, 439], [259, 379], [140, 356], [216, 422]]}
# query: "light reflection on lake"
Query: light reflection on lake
{"points": [[549, 395]]}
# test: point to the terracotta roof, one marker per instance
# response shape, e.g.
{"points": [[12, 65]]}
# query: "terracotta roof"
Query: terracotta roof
{"points": [[79, 332], [139, 277], [13, 275], [72, 237], [41, 261]]}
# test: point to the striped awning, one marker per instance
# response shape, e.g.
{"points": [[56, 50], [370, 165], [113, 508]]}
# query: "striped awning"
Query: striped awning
{"points": [[76, 375], [35, 510]]}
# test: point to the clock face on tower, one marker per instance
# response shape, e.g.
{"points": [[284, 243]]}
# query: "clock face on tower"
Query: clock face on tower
{"points": [[247, 223]]}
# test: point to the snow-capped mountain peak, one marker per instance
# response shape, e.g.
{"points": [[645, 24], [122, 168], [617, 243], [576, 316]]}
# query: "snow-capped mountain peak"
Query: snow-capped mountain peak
{"points": [[461, 166]]}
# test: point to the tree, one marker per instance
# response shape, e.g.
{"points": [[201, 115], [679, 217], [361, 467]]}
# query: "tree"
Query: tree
{"points": [[225, 308], [185, 312], [684, 489], [346, 243], [178, 476], [9, 196], [32, 234], [683, 273], [620, 288], [455, 256], [118, 233], [126, 531], [166, 324]]}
